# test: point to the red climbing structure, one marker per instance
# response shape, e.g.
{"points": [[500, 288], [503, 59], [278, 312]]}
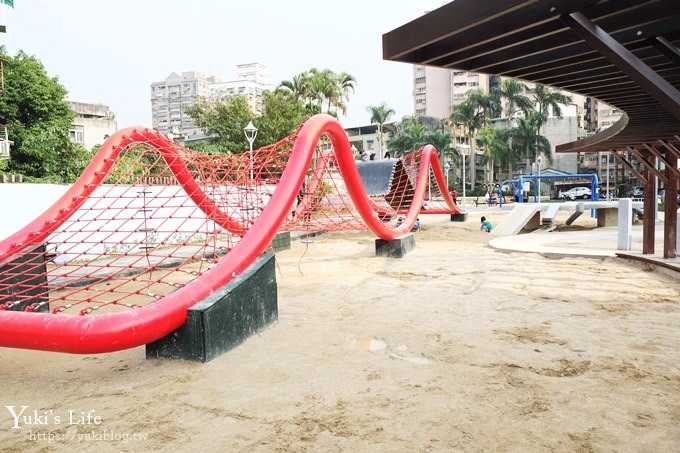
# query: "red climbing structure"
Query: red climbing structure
{"points": [[151, 228]]}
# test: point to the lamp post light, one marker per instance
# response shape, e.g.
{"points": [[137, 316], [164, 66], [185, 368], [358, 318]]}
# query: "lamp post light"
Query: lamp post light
{"points": [[251, 132], [447, 167]]}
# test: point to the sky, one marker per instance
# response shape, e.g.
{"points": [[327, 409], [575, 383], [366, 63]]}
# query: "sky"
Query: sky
{"points": [[110, 52]]}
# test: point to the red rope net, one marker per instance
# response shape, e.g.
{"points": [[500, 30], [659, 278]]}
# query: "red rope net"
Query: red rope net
{"points": [[150, 217]]}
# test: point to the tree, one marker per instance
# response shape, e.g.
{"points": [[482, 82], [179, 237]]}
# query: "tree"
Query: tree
{"points": [[500, 152], [412, 135], [526, 141], [321, 91], [225, 121], [546, 99], [513, 91], [380, 115], [282, 113], [33, 107], [465, 114], [485, 106]]}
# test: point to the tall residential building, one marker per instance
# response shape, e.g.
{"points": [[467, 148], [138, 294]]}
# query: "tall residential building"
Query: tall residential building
{"points": [[171, 97], [437, 90]]}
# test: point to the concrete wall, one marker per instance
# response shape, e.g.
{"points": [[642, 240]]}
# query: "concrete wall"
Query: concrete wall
{"points": [[21, 203]]}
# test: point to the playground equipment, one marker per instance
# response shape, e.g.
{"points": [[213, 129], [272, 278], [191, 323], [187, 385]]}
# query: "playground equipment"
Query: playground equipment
{"points": [[152, 228], [518, 185]]}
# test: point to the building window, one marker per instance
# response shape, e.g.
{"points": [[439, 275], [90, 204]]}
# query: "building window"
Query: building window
{"points": [[77, 135]]}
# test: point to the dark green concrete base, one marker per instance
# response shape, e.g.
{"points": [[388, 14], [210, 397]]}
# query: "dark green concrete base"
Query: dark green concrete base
{"points": [[24, 278], [459, 217], [281, 241], [395, 248], [225, 319]]}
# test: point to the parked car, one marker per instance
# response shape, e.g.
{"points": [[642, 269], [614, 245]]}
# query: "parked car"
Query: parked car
{"points": [[577, 192], [636, 192]]}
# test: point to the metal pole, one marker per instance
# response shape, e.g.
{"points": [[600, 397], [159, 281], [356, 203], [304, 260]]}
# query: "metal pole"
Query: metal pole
{"points": [[608, 175]]}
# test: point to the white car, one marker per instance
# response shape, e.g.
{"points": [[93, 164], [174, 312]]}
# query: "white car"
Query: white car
{"points": [[577, 192]]}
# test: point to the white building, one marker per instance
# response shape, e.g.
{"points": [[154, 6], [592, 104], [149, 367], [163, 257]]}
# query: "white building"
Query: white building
{"points": [[93, 124], [171, 97]]}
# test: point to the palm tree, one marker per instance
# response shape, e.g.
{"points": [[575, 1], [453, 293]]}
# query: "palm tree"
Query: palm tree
{"points": [[526, 141], [409, 137], [466, 115], [487, 106], [322, 91], [346, 84], [513, 91], [380, 115], [545, 99]]}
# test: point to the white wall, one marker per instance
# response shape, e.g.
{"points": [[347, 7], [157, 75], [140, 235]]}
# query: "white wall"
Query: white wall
{"points": [[22, 203]]}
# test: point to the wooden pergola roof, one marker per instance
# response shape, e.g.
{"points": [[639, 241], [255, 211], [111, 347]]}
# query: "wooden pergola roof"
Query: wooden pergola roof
{"points": [[625, 53]]}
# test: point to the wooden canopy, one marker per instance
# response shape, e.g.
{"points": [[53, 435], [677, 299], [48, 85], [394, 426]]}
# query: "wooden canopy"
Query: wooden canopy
{"points": [[625, 53]]}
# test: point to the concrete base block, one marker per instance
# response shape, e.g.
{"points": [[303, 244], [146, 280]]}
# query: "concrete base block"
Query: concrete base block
{"points": [[395, 248], [607, 217], [281, 241], [24, 278], [225, 319], [459, 217]]}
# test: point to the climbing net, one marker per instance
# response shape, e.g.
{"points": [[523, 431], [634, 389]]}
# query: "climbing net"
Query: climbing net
{"points": [[149, 217]]}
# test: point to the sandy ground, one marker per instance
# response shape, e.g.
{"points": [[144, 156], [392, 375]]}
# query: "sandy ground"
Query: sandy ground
{"points": [[455, 347]]}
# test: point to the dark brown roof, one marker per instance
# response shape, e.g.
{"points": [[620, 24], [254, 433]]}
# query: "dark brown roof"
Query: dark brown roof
{"points": [[561, 44]]}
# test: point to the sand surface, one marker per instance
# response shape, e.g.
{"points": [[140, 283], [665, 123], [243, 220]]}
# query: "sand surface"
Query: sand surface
{"points": [[455, 347]]}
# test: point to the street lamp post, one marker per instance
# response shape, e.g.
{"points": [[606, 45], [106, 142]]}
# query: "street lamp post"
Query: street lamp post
{"points": [[447, 167], [251, 132]]}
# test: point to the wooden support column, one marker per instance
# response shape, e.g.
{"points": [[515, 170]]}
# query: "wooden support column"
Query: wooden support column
{"points": [[670, 226], [649, 205]]}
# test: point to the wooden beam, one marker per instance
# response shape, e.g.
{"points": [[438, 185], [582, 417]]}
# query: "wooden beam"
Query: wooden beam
{"points": [[650, 81], [650, 166], [629, 166], [672, 149]]}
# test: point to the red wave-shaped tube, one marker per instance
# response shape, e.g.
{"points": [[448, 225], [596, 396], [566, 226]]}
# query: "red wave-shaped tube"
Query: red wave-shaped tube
{"points": [[117, 331]]}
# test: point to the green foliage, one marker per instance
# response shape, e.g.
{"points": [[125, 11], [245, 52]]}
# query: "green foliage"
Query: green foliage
{"points": [[412, 134], [224, 120], [321, 91], [38, 120], [283, 113]]}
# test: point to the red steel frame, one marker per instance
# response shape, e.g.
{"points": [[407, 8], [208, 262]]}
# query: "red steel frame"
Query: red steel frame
{"points": [[116, 331]]}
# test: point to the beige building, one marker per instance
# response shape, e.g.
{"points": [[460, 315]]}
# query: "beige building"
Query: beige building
{"points": [[171, 97], [437, 90], [93, 124]]}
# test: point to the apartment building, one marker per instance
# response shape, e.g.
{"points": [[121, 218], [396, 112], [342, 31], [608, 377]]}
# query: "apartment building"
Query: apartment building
{"points": [[171, 97], [92, 124], [437, 90]]}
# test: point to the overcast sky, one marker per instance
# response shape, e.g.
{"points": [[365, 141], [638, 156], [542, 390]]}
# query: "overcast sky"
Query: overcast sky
{"points": [[110, 52]]}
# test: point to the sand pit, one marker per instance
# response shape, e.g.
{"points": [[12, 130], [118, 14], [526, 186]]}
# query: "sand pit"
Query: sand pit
{"points": [[456, 347]]}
